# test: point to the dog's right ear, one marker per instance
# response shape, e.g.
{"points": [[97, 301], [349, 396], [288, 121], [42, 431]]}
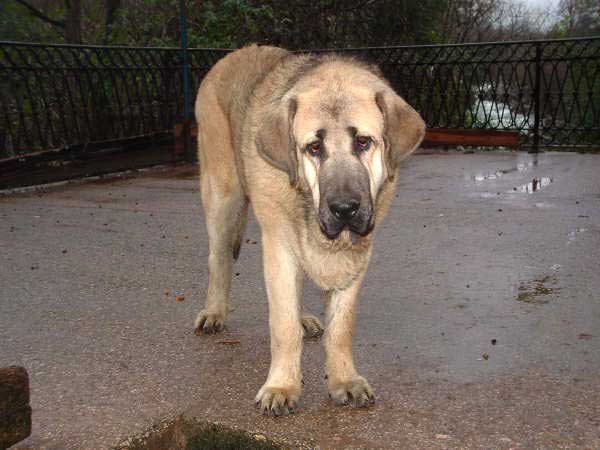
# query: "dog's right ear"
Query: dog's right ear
{"points": [[275, 140]]}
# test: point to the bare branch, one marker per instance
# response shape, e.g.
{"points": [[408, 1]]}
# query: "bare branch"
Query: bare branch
{"points": [[40, 15]]}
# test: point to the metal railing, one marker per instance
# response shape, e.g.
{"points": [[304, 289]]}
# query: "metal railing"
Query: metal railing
{"points": [[548, 91], [57, 96]]}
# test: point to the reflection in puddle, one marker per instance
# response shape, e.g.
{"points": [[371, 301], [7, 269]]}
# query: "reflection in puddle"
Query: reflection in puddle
{"points": [[573, 234], [544, 205], [522, 166], [487, 194], [526, 165], [478, 178], [534, 185], [537, 291], [487, 176]]}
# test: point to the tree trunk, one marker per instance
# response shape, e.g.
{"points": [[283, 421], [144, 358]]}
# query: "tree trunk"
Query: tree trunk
{"points": [[73, 22]]}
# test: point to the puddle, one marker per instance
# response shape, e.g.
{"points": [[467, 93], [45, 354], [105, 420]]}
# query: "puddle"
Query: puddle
{"points": [[537, 291], [544, 205], [573, 234], [534, 185], [487, 194], [522, 166], [189, 434], [480, 177]]}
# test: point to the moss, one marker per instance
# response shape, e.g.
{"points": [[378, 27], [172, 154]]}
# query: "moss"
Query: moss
{"points": [[536, 291], [189, 434], [216, 436]]}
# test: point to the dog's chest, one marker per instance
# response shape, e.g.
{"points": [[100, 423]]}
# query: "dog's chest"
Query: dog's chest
{"points": [[333, 270]]}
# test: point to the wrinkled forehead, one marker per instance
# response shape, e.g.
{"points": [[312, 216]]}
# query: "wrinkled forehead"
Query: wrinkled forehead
{"points": [[337, 109]]}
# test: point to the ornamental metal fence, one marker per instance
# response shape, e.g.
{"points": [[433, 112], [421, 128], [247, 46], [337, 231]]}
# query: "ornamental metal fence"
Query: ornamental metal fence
{"points": [[59, 96], [56, 96], [547, 91]]}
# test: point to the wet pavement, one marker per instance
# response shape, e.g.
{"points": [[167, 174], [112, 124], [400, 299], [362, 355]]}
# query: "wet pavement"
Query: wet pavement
{"points": [[479, 322]]}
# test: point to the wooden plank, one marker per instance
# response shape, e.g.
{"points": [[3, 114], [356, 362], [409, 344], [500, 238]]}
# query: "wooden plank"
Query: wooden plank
{"points": [[180, 141], [179, 127], [15, 412], [455, 136], [434, 137]]}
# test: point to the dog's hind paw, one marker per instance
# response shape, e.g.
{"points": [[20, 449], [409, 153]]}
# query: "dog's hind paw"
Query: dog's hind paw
{"points": [[208, 322], [312, 326]]}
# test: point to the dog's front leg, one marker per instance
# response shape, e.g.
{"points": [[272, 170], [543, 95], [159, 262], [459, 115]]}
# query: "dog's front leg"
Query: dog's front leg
{"points": [[284, 277], [344, 383]]}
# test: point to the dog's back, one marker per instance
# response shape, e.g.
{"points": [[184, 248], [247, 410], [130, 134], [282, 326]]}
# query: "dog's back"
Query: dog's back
{"points": [[230, 84]]}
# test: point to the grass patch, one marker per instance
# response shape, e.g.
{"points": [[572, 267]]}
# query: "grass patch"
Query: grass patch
{"points": [[215, 436], [189, 434]]}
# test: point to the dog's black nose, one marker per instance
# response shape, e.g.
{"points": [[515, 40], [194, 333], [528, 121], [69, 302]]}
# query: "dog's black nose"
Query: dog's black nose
{"points": [[344, 210]]}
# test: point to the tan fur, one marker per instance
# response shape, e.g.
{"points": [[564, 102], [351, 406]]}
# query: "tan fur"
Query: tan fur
{"points": [[257, 109]]}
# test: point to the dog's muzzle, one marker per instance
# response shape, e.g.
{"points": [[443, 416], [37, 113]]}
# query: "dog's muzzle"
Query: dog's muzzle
{"points": [[341, 213]]}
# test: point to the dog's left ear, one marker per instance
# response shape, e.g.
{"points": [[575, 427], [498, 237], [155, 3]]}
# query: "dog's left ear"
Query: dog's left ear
{"points": [[275, 140], [403, 129]]}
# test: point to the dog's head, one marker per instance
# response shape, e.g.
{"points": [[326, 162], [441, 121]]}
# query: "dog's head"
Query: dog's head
{"points": [[340, 133]]}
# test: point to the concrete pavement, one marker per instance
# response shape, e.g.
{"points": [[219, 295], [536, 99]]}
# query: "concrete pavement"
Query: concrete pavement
{"points": [[479, 322]]}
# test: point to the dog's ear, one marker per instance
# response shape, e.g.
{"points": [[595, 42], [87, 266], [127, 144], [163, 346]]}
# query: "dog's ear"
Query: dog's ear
{"points": [[275, 140], [403, 129]]}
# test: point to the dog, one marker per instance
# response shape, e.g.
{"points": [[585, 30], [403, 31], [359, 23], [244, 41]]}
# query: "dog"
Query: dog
{"points": [[314, 142]]}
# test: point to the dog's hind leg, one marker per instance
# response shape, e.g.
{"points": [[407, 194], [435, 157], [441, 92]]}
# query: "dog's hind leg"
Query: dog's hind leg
{"points": [[224, 222], [225, 208], [238, 233]]}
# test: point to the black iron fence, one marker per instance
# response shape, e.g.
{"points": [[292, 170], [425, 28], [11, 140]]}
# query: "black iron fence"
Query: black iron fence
{"points": [[548, 91], [57, 96]]}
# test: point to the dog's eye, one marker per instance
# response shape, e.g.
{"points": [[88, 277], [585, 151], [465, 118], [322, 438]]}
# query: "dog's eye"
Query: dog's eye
{"points": [[314, 148], [363, 143]]}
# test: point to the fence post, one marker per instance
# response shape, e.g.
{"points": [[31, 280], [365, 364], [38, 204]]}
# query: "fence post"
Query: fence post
{"points": [[188, 150], [537, 98]]}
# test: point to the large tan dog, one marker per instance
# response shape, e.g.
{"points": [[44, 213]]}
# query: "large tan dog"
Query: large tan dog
{"points": [[314, 143]]}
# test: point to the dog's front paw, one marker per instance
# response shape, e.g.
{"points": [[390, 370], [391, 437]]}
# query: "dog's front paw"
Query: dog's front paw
{"points": [[277, 401], [355, 391], [209, 322]]}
